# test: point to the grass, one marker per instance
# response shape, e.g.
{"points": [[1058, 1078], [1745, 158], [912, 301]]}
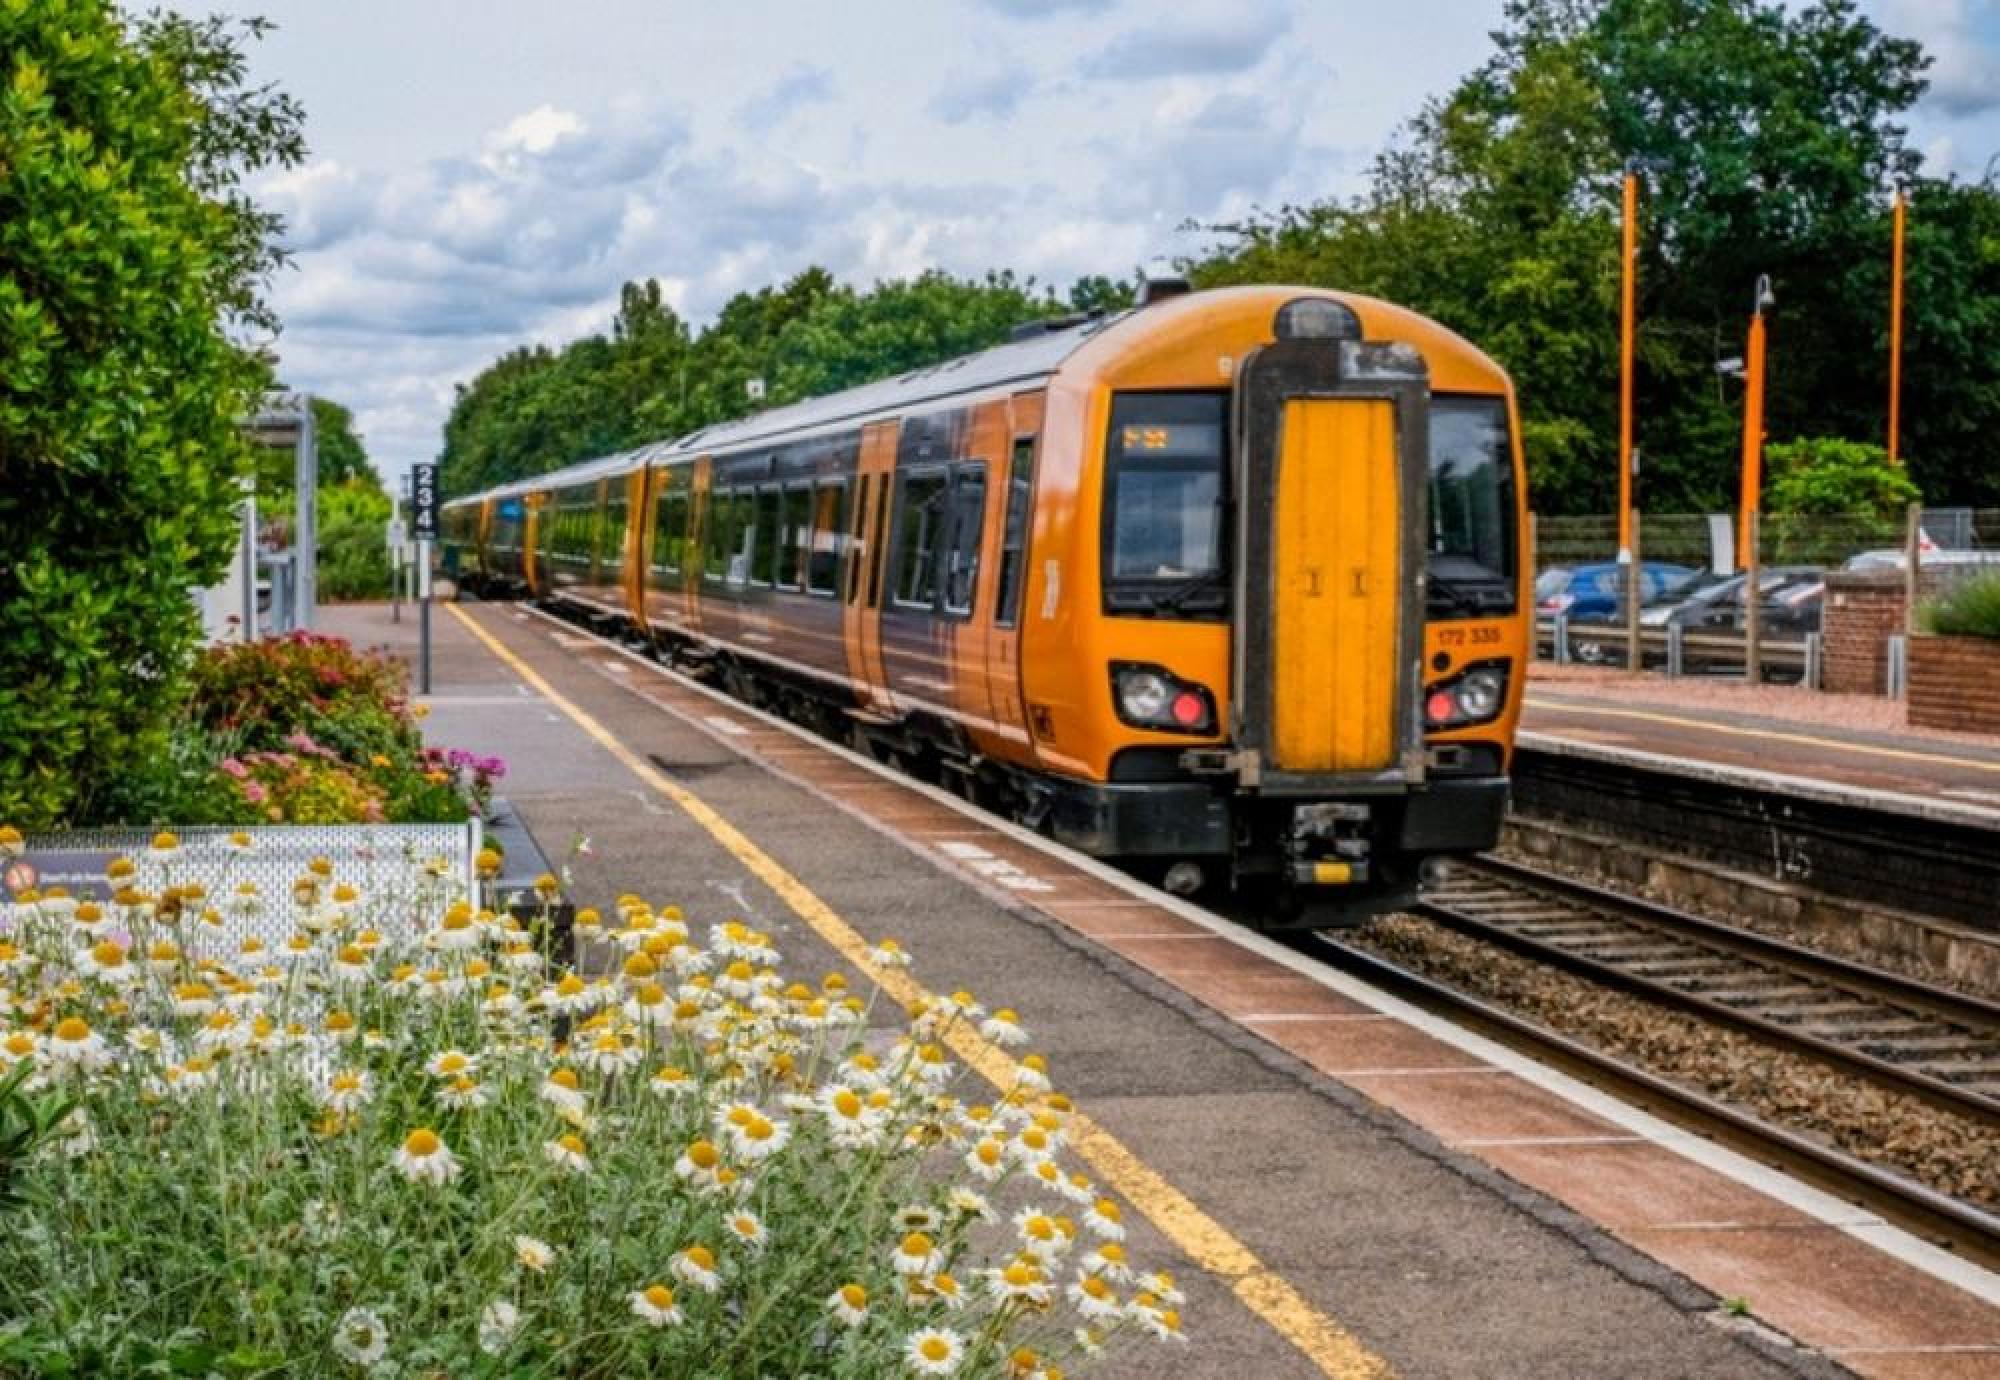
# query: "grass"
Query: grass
{"points": [[1971, 609]]}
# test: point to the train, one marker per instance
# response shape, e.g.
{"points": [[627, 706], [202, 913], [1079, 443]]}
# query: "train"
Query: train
{"points": [[1226, 587]]}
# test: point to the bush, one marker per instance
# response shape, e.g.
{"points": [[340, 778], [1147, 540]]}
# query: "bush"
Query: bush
{"points": [[1830, 477], [354, 703], [424, 1151], [1970, 609], [128, 259], [353, 546]]}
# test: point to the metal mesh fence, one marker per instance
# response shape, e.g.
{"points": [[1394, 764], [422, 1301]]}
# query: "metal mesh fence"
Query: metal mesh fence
{"points": [[405, 872]]}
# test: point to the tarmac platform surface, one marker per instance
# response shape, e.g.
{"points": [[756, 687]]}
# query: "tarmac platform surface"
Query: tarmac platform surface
{"points": [[1483, 1227]]}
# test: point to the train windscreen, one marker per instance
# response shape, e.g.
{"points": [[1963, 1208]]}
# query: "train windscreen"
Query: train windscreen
{"points": [[1165, 484], [1472, 538]]}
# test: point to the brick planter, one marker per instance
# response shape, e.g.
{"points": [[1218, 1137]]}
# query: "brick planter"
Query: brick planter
{"points": [[1955, 683]]}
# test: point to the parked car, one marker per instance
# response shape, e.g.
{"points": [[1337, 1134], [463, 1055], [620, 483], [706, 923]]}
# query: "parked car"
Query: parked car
{"points": [[1596, 593], [1893, 559]]}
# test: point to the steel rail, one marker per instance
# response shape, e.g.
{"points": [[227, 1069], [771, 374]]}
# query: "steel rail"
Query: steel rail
{"points": [[1979, 1013], [1949, 1221], [1966, 1102]]}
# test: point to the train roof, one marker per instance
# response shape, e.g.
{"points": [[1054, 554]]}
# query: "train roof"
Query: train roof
{"points": [[1017, 363]]}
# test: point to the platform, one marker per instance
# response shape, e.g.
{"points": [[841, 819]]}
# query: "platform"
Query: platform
{"points": [[1851, 749], [1345, 1186]]}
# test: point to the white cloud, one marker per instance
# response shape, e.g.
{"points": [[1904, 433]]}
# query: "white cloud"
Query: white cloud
{"points": [[1962, 38], [1207, 38]]}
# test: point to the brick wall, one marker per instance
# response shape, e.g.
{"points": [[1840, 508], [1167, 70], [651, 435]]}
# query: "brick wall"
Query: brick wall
{"points": [[1862, 610], [1955, 683]]}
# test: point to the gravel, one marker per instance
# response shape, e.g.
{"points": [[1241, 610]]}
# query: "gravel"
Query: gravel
{"points": [[1945, 1152]]}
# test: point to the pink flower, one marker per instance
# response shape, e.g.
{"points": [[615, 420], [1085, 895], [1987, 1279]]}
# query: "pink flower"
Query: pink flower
{"points": [[255, 793], [235, 768]]}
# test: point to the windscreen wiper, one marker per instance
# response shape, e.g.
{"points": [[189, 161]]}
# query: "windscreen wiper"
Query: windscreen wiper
{"points": [[1454, 594], [1174, 599]]}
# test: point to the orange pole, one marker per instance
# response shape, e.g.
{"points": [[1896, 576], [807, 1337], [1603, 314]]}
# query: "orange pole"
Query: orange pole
{"points": [[1896, 335], [1753, 431], [1625, 331]]}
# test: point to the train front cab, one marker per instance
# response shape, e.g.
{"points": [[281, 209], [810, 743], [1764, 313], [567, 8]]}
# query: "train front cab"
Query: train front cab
{"points": [[1306, 654]]}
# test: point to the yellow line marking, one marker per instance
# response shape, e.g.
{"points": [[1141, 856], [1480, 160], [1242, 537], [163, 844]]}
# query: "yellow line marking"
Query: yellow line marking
{"points": [[1764, 735], [1200, 1237]]}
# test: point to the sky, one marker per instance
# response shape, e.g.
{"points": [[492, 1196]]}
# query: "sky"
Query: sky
{"points": [[485, 174]]}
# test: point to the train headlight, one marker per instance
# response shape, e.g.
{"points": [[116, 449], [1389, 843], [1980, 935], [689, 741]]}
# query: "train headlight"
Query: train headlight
{"points": [[1154, 697], [1474, 697]]}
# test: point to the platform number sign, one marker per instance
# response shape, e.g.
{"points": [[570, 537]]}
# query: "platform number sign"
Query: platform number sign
{"points": [[424, 502]]}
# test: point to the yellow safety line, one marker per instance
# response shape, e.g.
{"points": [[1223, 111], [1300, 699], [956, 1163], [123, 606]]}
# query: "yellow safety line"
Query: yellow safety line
{"points": [[1764, 735], [1205, 1241]]}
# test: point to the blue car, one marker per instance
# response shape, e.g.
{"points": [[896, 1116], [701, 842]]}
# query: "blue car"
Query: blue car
{"points": [[1596, 593]]}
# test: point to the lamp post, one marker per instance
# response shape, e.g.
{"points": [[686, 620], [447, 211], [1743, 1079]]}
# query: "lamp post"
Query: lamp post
{"points": [[1896, 330], [1628, 271], [1753, 426]]}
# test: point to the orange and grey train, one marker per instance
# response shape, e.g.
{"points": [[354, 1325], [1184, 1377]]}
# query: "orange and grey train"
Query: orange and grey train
{"points": [[1227, 586]]}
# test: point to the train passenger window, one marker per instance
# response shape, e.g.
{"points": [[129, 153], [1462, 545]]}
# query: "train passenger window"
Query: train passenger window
{"points": [[920, 515], [763, 549], [720, 538], [857, 549], [794, 533], [1014, 537], [670, 532], [878, 558], [967, 531], [826, 537]]}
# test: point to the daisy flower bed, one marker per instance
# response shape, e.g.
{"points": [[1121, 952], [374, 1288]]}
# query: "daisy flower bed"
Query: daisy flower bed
{"points": [[405, 1142]]}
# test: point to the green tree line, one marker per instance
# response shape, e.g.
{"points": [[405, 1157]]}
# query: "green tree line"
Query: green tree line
{"points": [[1768, 141], [537, 409]]}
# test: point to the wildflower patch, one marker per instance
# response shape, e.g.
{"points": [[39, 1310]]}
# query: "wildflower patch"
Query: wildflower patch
{"points": [[403, 1139]]}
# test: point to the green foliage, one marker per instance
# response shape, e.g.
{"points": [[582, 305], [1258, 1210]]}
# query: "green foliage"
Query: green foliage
{"points": [[1970, 609], [128, 255], [1768, 134], [534, 409], [28, 1122], [1823, 474], [353, 544]]}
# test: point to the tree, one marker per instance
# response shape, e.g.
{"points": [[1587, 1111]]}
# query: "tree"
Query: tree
{"points": [[130, 258], [1769, 136]]}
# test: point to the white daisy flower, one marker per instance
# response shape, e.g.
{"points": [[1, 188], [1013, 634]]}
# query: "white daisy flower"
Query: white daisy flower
{"points": [[1032, 1073], [106, 961], [18, 1045], [360, 1338], [849, 1305], [425, 1158], [939, 1288], [464, 1094], [610, 1053], [498, 1322], [452, 1063], [73, 1044], [695, 1266], [347, 1090], [1095, 1299], [747, 1229], [1108, 1260], [567, 1152], [759, 1137], [889, 954], [655, 1306], [1164, 1323], [988, 1159], [669, 1081], [563, 1090], [1003, 1028], [933, 1350], [1161, 1286], [916, 1254], [1019, 1281], [1041, 1235], [969, 1204], [533, 1253], [1103, 1218]]}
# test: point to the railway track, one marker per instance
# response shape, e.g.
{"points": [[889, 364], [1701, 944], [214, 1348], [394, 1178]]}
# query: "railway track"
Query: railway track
{"points": [[1878, 1027]]}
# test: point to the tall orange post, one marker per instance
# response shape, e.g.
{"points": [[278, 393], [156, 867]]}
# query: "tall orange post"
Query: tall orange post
{"points": [[1625, 333], [1896, 334], [1753, 430]]}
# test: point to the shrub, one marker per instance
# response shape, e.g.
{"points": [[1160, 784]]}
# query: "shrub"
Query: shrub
{"points": [[353, 548], [128, 258], [354, 703], [418, 1147], [1830, 477], [1970, 609]]}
